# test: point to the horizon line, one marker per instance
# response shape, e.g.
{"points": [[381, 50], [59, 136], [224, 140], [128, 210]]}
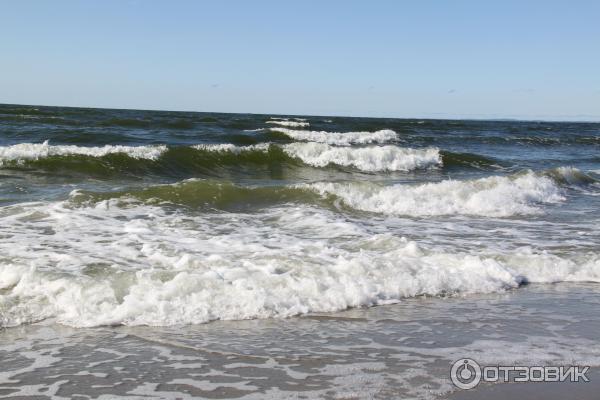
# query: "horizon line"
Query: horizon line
{"points": [[592, 119]]}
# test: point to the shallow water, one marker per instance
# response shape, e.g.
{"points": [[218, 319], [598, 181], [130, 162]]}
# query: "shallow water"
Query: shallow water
{"points": [[403, 350]]}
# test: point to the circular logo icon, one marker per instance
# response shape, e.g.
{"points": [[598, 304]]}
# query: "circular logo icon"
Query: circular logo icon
{"points": [[465, 373]]}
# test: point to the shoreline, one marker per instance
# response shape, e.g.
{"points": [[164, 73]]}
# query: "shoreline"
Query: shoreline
{"points": [[403, 350]]}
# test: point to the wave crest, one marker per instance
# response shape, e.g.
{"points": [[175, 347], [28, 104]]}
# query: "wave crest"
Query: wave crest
{"points": [[184, 160], [368, 159], [292, 124], [497, 196], [339, 138], [35, 151]]}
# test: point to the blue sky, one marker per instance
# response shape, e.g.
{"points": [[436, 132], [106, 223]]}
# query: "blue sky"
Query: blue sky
{"points": [[476, 59]]}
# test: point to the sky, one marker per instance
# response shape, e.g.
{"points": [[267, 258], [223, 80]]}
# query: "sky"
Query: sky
{"points": [[426, 58]]}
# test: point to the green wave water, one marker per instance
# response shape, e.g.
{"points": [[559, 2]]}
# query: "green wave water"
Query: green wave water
{"points": [[182, 161]]}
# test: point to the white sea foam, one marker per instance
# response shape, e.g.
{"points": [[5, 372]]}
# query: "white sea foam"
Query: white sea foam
{"points": [[142, 264], [287, 119], [232, 148], [370, 159], [293, 124], [339, 138], [34, 151], [496, 196]]}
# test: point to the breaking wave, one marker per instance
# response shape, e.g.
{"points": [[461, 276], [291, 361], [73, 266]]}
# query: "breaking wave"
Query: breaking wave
{"points": [[525, 193], [179, 161], [35, 151], [209, 159], [339, 138], [143, 265], [368, 159], [496, 196], [293, 124]]}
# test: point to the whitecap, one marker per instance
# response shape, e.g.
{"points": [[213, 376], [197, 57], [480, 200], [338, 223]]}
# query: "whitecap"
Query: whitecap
{"points": [[232, 148], [339, 138], [34, 151], [293, 124], [368, 159], [496, 196]]}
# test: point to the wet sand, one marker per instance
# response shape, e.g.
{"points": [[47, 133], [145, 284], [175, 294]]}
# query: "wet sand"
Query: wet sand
{"points": [[397, 351]]}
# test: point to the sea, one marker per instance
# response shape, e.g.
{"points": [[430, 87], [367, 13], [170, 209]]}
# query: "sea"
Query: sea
{"points": [[162, 254]]}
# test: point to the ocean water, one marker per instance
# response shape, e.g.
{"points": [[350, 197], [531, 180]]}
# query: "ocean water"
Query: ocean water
{"points": [[113, 217], [175, 228]]}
